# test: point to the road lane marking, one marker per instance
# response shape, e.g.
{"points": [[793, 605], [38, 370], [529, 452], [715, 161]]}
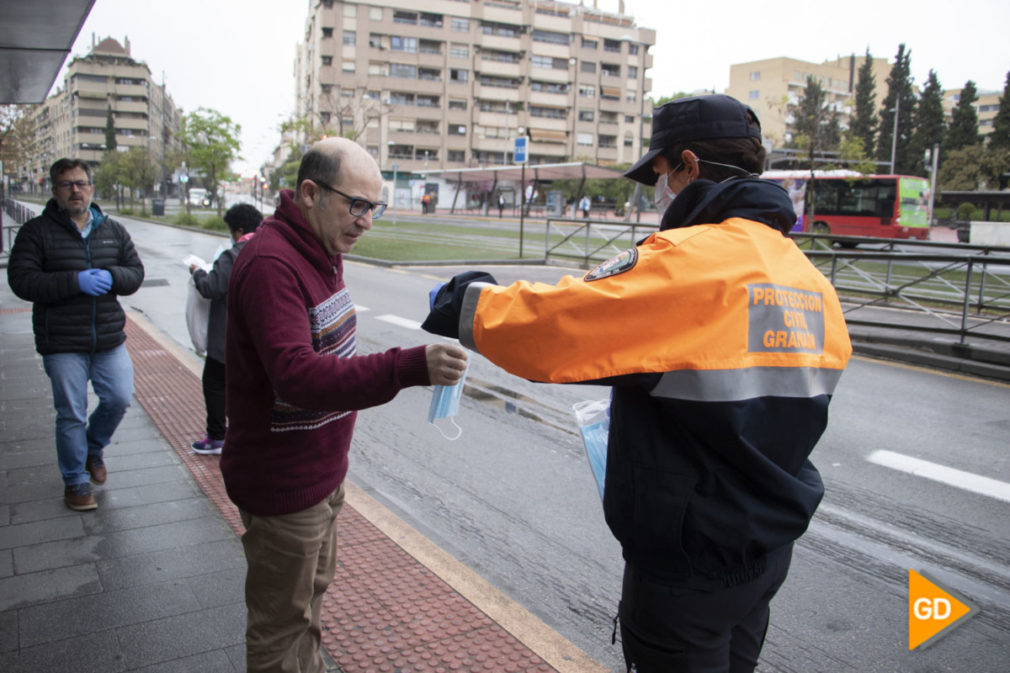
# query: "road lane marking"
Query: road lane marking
{"points": [[361, 309], [397, 320], [967, 481]]}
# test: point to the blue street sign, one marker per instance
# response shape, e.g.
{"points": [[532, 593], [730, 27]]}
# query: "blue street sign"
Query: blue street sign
{"points": [[519, 150]]}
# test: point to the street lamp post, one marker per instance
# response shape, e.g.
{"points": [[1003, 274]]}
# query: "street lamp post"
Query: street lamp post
{"points": [[894, 138]]}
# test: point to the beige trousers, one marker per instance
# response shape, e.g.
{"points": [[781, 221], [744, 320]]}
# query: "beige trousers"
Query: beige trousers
{"points": [[291, 559]]}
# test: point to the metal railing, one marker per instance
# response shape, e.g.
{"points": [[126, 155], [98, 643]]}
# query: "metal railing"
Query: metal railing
{"points": [[957, 290], [15, 214]]}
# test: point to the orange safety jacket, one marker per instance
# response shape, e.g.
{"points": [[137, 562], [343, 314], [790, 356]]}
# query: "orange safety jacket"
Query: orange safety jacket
{"points": [[723, 344]]}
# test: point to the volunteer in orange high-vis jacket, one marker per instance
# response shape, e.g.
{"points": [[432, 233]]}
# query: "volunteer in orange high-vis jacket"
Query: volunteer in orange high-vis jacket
{"points": [[723, 345]]}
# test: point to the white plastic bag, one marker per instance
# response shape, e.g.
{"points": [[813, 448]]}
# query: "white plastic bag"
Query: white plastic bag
{"points": [[593, 417], [197, 317]]}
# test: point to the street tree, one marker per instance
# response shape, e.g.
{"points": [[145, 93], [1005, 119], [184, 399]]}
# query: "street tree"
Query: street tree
{"points": [[815, 126], [863, 125], [138, 173], [348, 117], [209, 143], [900, 102], [929, 123], [110, 130], [1000, 136], [975, 167], [17, 137], [964, 120]]}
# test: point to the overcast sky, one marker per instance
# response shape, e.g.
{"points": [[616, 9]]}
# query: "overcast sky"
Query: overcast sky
{"points": [[237, 57]]}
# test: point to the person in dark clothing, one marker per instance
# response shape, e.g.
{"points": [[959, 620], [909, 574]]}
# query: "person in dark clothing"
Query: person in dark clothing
{"points": [[722, 345], [242, 220], [72, 262]]}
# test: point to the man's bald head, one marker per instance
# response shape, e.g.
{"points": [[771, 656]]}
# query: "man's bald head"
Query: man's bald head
{"points": [[326, 157]]}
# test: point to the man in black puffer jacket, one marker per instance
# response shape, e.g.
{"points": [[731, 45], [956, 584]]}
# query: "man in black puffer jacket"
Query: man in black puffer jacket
{"points": [[71, 262]]}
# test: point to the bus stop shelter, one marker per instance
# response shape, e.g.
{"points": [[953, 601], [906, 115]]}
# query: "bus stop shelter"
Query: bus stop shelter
{"points": [[575, 170]]}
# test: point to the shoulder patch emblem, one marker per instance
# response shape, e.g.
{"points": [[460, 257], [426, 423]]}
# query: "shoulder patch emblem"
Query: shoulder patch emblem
{"points": [[617, 264]]}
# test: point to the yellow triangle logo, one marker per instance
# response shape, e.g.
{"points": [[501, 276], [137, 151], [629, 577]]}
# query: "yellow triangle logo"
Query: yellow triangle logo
{"points": [[931, 610]]}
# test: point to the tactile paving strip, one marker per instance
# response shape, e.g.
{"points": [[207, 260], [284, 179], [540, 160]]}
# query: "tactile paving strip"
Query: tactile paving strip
{"points": [[384, 611]]}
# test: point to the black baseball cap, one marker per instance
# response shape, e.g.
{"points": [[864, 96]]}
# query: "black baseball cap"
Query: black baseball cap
{"points": [[696, 118]]}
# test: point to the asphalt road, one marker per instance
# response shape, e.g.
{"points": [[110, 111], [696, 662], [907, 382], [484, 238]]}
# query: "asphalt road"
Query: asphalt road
{"points": [[514, 499]]}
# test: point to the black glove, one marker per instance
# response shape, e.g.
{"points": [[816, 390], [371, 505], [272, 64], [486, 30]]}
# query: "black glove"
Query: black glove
{"points": [[448, 301]]}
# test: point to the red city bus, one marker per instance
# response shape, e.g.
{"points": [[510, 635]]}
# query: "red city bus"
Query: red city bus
{"points": [[851, 204]]}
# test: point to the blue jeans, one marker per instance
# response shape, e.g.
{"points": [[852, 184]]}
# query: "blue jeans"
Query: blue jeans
{"points": [[111, 376]]}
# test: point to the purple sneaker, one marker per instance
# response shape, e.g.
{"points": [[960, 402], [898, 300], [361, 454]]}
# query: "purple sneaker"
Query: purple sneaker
{"points": [[208, 446]]}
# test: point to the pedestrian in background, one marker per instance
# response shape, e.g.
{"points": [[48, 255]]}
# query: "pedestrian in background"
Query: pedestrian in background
{"points": [[585, 205], [722, 345], [294, 384], [242, 220], [72, 262]]}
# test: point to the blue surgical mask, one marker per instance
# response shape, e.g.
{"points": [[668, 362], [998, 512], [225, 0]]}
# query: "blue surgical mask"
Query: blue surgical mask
{"points": [[445, 404]]}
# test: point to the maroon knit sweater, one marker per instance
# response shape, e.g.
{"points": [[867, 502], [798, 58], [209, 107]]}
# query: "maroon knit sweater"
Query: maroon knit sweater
{"points": [[294, 382]]}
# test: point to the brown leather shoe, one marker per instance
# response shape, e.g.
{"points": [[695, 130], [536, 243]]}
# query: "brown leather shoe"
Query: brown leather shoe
{"points": [[79, 498], [96, 468]]}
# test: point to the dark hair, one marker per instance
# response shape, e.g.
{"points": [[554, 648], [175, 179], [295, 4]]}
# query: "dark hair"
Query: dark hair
{"points": [[64, 165], [746, 153], [319, 164], [243, 216]]}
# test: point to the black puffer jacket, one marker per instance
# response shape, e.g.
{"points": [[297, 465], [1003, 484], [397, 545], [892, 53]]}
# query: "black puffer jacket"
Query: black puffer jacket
{"points": [[48, 254]]}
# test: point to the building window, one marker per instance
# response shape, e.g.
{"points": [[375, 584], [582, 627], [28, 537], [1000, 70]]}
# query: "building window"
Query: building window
{"points": [[588, 66], [324, 117], [610, 69], [551, 36], [430, 20], [460, 25], [587, 91], [429, 74], [754, 94], [755, 76], [458, 50], [400, 16], [585, 115], [589, 44], [405, 125], [404, 44], [403, 70], [375, 13], [349, 38], [632, 49], [457, 130], [458, 76], [608, 141], [347, 66], [429, 47], [584, 138], [326, 88], [458, 156], [378, 69], [632, 72], [628, 140], [613, 46], [455, 104], [548, 62], [327, 60], [375, 41], [327, 32], [549, 87], [374, 151], [430, 127]]}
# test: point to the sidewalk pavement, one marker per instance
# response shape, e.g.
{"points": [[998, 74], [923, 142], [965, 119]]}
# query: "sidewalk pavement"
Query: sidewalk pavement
{"points": [[153, 579]]}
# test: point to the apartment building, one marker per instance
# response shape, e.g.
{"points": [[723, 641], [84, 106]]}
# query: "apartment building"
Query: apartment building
{"points": [[451, 83], [987, 106], [771, 85], [71, 122]]}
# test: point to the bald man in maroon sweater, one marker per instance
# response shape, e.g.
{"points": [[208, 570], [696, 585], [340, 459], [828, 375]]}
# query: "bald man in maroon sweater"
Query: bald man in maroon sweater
{"points": [[294, 385]]}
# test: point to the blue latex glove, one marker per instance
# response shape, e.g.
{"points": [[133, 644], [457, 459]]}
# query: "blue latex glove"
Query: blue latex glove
{"points": [[432, 294], [94, 281]]}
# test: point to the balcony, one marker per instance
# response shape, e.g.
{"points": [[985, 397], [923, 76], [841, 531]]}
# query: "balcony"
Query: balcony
{"points": [[498, 68]]}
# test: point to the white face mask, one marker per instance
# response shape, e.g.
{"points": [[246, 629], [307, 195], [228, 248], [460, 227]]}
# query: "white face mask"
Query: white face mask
{"points": [[664, 196]]}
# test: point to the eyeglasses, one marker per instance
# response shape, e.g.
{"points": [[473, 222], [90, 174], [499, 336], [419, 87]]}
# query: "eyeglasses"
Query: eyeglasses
{"points": [[67, 184], [358, 207]]}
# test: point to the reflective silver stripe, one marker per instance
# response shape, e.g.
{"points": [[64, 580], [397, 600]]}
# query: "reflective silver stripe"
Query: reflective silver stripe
{"points": [[467, 313], [733, 385]]}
